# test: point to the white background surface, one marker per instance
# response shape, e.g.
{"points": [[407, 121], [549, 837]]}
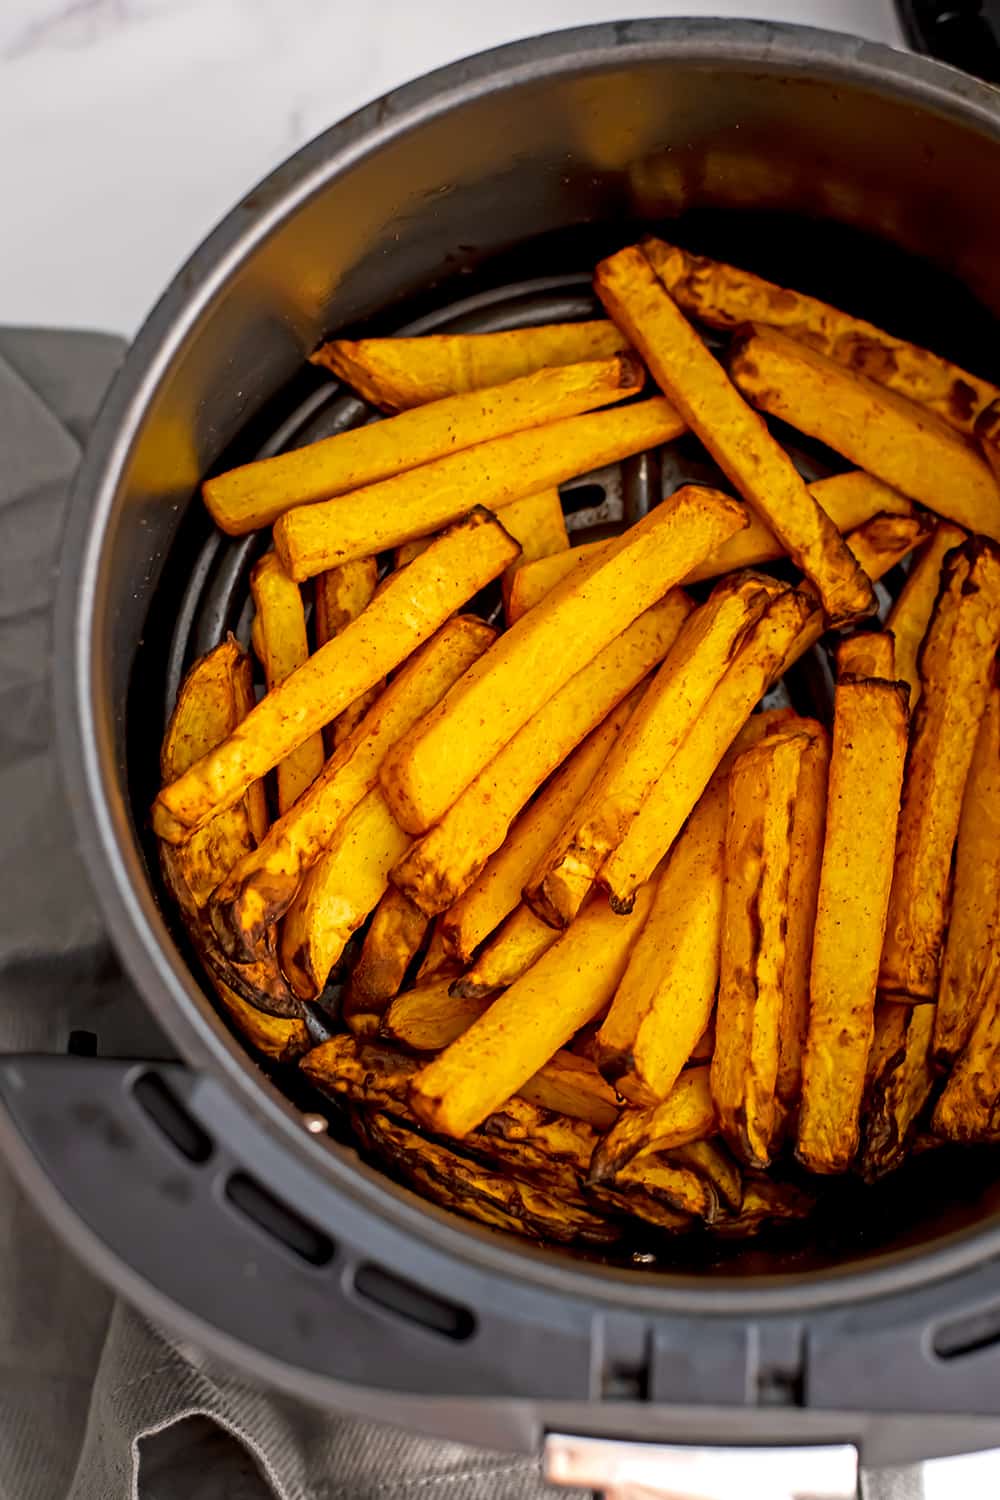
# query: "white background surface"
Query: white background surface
{"points": [[129, 127]]}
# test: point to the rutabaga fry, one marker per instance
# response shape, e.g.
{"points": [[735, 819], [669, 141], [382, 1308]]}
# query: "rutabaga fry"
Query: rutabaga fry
{"points": [[444, 863], [430, 1017], [910, 615], [255, 495], [724, 296], [536, 579], [988, 434], [956, 666], [429, 769], [671, 800], [527, 1024], [396, 374], [707, 644], [686, 1114], [753, 955], [711, 1160], [866, 774], [572, 1086], [969, 1108], [974, 929], [765, 1203], [437, 961], [280, 642], [405, 613], [339, 893], [538, 523], [906, 445], [663, 1180], [339, 596], [520, 942], [392, 941], [261, 887], [899, 1082], [868, 653], [496, 892], [495, 473], [734, 434]]}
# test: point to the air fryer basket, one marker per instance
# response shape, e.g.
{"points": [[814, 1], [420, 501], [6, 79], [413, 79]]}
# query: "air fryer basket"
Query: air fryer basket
{"points": [[207, 1190]]}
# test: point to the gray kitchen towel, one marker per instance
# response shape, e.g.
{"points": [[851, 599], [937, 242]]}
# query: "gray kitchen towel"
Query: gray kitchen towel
{"points": [[94, 1403]]}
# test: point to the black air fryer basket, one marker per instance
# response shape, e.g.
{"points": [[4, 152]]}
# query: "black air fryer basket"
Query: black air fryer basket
{"points": [[210, 1190]]}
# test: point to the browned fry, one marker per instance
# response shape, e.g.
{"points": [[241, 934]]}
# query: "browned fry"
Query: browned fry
{"points": [[667, 1181], [443, 864], [433, 765], [280, 642], [438, 962], [869, 653], [340, 594], [726, 297], [956, 665], [429, 1018], [969, 1108], [572, 1086], [391, 943], [974, 929], [765, 1203], [671, 799], [910, 615], [900, 1079], [988, 433], [866, 773], [520, 942], [734, 434], [686, 1114], [711, 1160], [261, 887], [708, 643], [762, 789], [405, 613]]}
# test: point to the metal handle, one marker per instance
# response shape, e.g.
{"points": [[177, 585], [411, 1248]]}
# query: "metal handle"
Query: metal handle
{"points": [[660, 1471]]}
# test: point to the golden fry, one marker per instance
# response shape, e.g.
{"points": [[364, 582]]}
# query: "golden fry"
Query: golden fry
{"points": [[339, 893], [538, 523], [405, 613], [444, 863], [496, 892], [899, 442], [572, 1086], [899, 1082], [429, 1018], [707, 644], [438, 962], [521, 941], [910, 615], [536, 579], [969, 1108], [956, 666], [566, 988], [734, 434], [261, 887], [762, 788], [255, 495], [280, 642], [866, 774], [396, 374], [392, 941], [433, 765], [310, 538], [974, 929], [726, 297], [664, 1180], [339, 596], [686, 1114], [671, 800], [988, 434], [869, 653]]}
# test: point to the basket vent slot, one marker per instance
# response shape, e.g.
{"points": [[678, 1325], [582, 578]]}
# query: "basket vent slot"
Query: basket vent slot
{"points": [[407, 1300], [171, 1118], [968, 1335], [278, 1221]]}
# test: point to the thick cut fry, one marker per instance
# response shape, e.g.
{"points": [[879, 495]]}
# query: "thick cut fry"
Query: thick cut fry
{"points": [[438, 962], [536, 579], [671, 800], [538, 523], [900, 1079], [705, 648], [869, 653], [866, 774], [988, 434], [391, 943], [664, 1180], [572, 1086], [765, 1203], [433, 765], [340, 594], [911, 613], [429, 1018], [260, 888], [725, 297], [711, 1160], [521, 941], [313, 537], [339, 893], [412, 606], [899, 442], [762, 789], [667, 995], [686, 1114], [399, 373], [969, 1108], [497, 891], [732, 432], [255, 495], [956, 667], [280, 642], [444, 863], [527, 1024], [974, 929]]}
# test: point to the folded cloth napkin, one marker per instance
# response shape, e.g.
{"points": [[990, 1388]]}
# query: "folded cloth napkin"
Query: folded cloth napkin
{"points": [[94, 1403]]}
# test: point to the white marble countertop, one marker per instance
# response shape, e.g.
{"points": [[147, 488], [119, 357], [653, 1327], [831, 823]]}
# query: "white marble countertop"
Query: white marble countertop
{"points": [[129, 127]]}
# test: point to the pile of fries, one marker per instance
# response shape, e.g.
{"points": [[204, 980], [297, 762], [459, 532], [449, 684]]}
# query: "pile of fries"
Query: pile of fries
{"points": [[600, 942]]}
